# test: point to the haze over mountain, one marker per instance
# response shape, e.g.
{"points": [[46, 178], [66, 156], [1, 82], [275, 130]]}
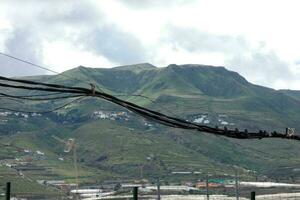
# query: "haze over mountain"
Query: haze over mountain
{"points": [[113, 142]]}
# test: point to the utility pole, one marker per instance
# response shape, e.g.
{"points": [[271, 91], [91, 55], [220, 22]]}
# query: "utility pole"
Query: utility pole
{"points": [[70, 145], [207, 190], [158, 189], [8, 191], [135, 193], [75, 164], [236, 185], [252, 195]]}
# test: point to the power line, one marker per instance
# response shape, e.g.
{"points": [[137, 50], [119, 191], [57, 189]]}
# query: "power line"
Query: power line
{"points": [[149, 99], [43, 112], [147, 113], [89, 83], [29, 63], [45, 68], [38, 88], [41, 95], [60, 74], [38, 99]]}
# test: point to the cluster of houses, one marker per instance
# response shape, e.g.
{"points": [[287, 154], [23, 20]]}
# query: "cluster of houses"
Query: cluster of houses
{"points": [[205, 119], [17, 114], [202, 119], [27, 157], [111, 115]]}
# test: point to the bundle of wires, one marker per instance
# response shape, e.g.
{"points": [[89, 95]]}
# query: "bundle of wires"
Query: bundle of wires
{"points": [[80, 92]]}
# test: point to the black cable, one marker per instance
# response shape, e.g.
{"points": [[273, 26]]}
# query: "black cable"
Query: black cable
{"points": [[41, 89], [36, 83], [150, 114], [29, 63], [149, 99], [56, 88], [42, 95], [38, 99], [67, 87], [174, 122], [44, 68], [43, 112], [50, 70]]}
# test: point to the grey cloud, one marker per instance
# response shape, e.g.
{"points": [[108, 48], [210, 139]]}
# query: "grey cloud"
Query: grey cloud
{"points": [[22, 45], [89, 27], [39, 22], [31, 23], [195, 40], [96, 35], [48, 20], [71, 13], [114, 44], [263, 67]]}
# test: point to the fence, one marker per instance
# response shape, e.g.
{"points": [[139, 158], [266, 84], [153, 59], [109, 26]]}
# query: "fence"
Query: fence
{"points": [[136, 194]]}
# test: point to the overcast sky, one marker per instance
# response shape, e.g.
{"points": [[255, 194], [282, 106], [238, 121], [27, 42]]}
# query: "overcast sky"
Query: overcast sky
{"points": [[260, 39]]}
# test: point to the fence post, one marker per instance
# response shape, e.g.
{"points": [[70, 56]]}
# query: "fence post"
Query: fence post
{"points": [[207, 190], [252, 195], [135, 193], [237, 193], [158, 189], [8, 191]]}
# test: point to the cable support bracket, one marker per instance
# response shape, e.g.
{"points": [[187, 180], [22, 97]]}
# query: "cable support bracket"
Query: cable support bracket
{"points": [[93, 89]]}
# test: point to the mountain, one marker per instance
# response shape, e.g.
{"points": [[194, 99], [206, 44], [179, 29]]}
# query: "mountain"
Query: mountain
{"points": [[292, 93], [114, 143]]}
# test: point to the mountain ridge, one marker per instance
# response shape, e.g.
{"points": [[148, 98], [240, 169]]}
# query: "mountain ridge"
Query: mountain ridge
{"points": [[110, 138]]}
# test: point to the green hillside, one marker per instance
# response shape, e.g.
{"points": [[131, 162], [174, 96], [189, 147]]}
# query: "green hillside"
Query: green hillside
{"points": [[293, 93], [116, 144]]}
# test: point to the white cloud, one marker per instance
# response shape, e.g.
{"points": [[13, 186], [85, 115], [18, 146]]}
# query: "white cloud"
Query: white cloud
{"points": [[60, 56], [167, 54], [261, 67], [258, 39]]}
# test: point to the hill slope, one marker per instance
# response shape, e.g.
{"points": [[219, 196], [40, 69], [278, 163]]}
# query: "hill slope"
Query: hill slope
{"points": [[110, 139]]}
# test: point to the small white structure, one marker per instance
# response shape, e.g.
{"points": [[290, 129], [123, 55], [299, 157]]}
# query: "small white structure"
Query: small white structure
{"points": [[86, 191], [27, 151], [96, 195], [181, 172], [24, 115], [40, 153], [206, 121], [173, 188], [224, 123], [200, 120], [269, 184]]}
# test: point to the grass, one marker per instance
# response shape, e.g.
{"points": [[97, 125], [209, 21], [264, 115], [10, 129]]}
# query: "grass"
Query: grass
{"points": [[23, 186], [113, 149]]}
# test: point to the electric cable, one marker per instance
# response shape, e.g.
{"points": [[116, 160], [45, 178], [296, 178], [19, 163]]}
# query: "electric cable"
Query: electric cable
{"points": [[38, 99], [45, 68], [150, 114], [60, 74], [43, 112]]}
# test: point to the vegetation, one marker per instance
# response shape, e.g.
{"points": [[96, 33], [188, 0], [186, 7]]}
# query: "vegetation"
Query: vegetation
{"points": [[132, 147]]}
